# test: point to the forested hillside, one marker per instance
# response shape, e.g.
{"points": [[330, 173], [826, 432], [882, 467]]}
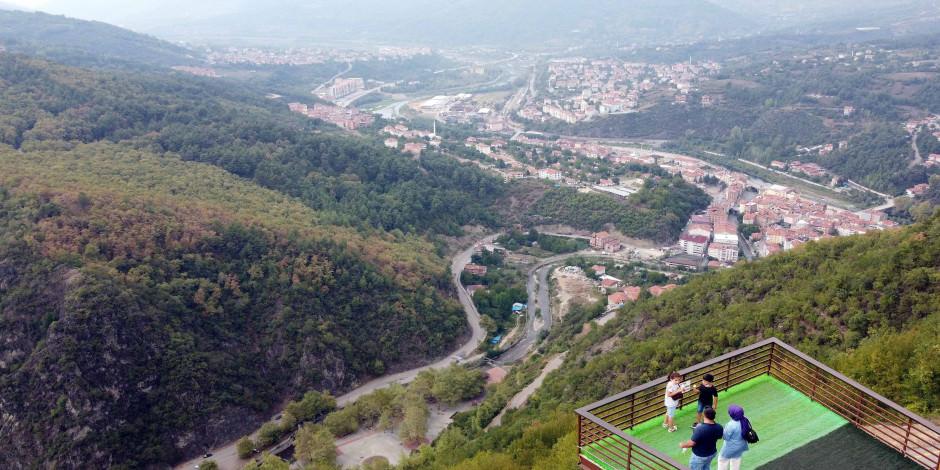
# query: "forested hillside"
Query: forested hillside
{"points": [[659, 211], [86, 42], [179, 255], [867, 305], [360, 183], [148, 303]]}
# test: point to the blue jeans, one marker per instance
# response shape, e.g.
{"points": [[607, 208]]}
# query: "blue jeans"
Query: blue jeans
{"points": [[700, 463]]}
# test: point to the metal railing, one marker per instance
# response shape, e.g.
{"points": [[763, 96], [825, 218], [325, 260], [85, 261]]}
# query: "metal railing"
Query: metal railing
{"points": [[603, 444]]}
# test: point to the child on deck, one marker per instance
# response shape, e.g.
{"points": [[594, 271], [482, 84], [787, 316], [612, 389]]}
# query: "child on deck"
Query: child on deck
{"points": [[673, 395], [707, 397]]}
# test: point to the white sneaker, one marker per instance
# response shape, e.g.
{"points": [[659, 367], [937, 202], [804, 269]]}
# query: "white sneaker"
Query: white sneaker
{"points": [[673, 429]]}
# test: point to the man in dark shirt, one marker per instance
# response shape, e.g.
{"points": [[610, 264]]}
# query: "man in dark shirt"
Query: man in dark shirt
{"points": [[707, 397], [704, 442]]}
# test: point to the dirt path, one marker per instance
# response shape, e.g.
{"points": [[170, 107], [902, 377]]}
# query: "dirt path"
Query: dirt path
{"points": [[522, 397]]}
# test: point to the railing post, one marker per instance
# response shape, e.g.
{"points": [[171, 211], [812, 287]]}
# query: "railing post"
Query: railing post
{"points": [[770, 360], [907, 436], [812, 395], [632, 410], [629, 454], [858, 409], [580, 435], [728, 375]]}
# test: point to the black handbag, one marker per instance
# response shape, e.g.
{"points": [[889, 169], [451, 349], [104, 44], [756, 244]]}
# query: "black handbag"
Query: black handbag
{"points": [[751, 436]]}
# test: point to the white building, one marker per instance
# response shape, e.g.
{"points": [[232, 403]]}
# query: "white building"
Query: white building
{"points": [[693, 244], [550, 174], [724, 252], [726, 233]]}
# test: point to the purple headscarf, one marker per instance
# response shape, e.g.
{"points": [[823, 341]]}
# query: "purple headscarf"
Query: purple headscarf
{"points": [[737, 414]]}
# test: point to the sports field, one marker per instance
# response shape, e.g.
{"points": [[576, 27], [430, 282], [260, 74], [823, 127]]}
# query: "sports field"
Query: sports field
{"points": [[787, 421]]}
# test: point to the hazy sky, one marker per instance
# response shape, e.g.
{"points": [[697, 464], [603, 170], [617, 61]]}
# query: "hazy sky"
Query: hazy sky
{"points": [[34, 4]]}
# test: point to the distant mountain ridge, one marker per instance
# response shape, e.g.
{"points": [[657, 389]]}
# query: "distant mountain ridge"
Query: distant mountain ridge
{"points": [[460, 22], [82, 42]]}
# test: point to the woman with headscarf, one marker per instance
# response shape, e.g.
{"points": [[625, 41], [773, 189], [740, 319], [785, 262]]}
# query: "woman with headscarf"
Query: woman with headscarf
{"points": [[729, 458]]}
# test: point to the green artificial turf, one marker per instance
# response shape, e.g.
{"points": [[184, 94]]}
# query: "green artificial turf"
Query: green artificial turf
{"points": [[784, 418]]}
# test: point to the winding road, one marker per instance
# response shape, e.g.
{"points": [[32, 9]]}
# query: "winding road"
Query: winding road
{"points": [[227, 456], [539, 305]]}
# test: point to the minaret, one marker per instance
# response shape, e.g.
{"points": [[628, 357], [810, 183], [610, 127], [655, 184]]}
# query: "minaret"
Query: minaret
{"points": [[434, 131]]}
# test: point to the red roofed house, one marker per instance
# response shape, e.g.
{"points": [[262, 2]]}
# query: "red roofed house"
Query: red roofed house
{"points": [[917, 189], [617, 299], [598, 269], [632, 292], [605, 242], [475, 269], [657, 291]]}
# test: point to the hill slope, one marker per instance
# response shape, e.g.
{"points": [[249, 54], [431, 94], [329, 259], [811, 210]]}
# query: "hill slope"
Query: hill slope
{"points": [[85, 42], [358, 182], [867, 305], [179, 255], [147, 304]]}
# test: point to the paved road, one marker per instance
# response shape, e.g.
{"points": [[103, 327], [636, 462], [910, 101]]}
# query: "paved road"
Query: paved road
{"points": [[392, 111], [539, 301], [918, 159], [334, 77], [537, 286], [227, 457], [348, 100]]}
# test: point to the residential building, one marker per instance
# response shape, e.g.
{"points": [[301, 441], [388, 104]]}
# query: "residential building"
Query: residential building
{"points": [[726, 232], [693, 244], [657, 291], [616, 300], [550, 174], [475, 269], [724, 252], [700, 229], [414, 148], [633, 292]]}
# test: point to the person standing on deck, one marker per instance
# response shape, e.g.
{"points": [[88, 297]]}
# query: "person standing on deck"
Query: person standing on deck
{"points": [[707, 397], [704, 442], [730, 456], [673, 395]]}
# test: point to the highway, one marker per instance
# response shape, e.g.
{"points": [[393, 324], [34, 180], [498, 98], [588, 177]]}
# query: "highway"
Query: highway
{"points": [[226, 456]]}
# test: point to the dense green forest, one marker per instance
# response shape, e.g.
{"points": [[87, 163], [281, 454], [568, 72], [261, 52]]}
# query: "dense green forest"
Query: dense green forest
{"points": [[88, 43], [658, 211], [149, 303], [881, 158], [359, 182], [867, 305]]}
